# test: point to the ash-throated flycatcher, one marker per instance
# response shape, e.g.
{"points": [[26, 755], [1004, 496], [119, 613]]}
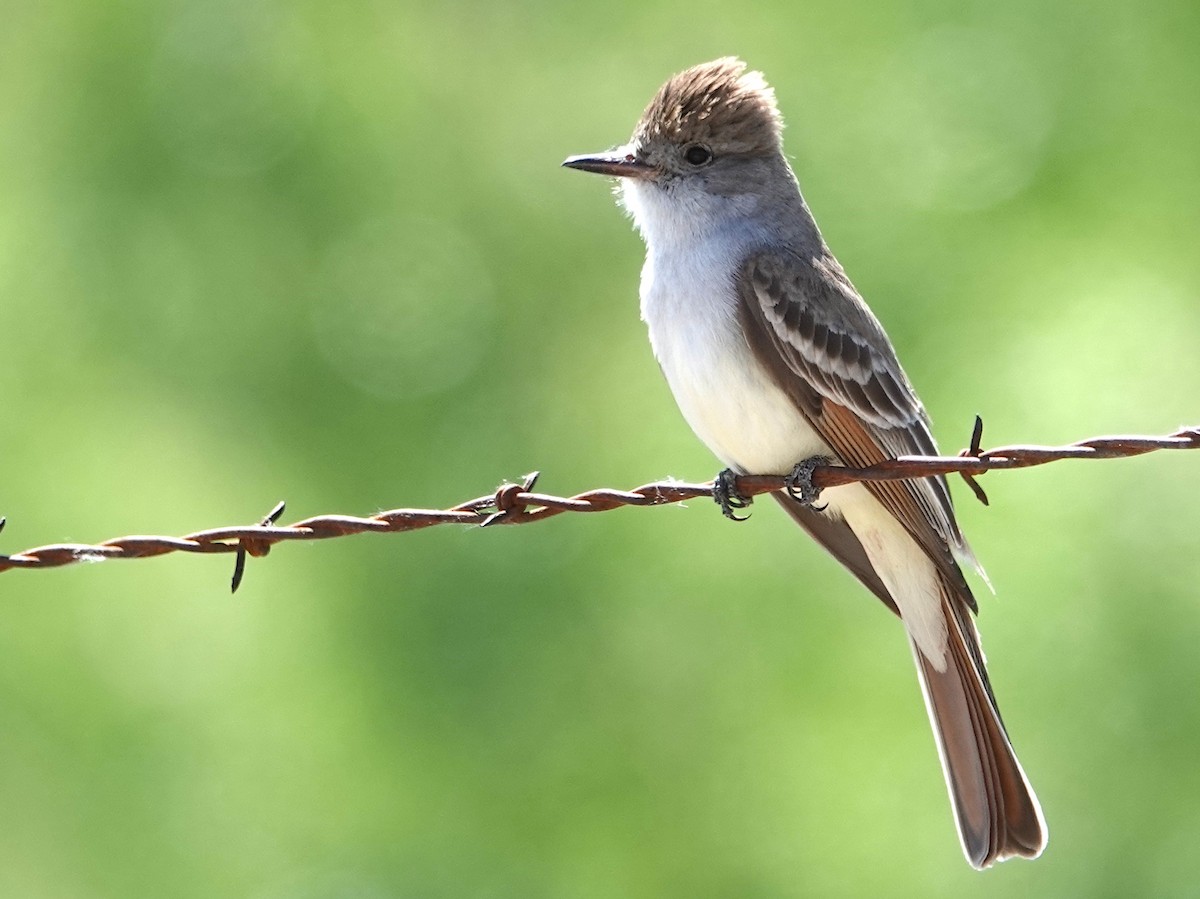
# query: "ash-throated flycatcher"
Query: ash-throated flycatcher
{"points": [[774, 358]]}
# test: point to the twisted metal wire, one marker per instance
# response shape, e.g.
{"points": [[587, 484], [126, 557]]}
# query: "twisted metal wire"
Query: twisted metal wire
{"points": [[519, 504]]}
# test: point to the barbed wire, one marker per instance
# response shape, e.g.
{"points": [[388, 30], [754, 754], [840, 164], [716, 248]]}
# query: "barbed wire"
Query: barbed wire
{"points": [[519, 504]]}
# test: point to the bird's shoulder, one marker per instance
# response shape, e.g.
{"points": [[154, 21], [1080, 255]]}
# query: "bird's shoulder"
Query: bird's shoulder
{"points": [[823, 329]]}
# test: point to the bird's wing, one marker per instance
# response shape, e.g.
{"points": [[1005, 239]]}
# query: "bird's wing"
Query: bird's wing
{"points": [[808, 326]]}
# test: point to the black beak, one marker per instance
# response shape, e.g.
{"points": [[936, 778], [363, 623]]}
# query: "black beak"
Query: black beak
{"points": [[621, 163]]}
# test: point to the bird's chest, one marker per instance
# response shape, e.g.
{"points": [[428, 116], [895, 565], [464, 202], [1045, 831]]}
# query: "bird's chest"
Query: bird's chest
{"points": [[730, 400]]}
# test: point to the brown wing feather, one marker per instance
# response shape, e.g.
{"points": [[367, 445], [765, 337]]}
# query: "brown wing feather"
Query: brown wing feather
{"points": [[807, 325], [855, 445], [829, 353]]}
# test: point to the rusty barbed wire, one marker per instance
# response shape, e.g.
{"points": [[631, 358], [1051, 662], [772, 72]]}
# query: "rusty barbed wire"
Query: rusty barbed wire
{"points": [[519, 504]]}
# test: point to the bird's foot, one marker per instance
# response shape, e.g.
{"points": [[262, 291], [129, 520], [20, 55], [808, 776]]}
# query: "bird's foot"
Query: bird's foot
{"points": [[799, 484], [726, 496]]}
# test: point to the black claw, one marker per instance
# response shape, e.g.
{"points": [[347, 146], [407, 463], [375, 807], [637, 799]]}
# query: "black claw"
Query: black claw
{"points": [[726, 496], [799, 484]]}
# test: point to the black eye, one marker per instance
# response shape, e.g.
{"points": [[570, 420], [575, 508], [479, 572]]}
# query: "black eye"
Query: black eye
{"points": [[698, 155]]}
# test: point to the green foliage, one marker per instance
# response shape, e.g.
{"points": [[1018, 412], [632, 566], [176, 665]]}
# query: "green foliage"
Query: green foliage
{"points": [[324, 252]]}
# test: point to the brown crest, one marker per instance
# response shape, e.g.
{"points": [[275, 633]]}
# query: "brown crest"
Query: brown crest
{"points": [[716, 100]]}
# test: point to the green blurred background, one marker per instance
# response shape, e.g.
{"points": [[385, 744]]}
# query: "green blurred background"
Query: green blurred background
{"points": [[324, 252]]}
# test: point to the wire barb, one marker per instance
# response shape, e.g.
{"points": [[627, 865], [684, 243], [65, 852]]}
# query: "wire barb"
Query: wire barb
{"points": [[973, 451], [509, 502], [255, 546], [518, 504]]}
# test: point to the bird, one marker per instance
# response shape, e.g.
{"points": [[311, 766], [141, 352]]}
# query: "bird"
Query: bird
{"points": [[778, 365]]}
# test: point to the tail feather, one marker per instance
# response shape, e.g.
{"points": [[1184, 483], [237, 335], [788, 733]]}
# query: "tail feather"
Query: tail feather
{"points": [[996, 811]]}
